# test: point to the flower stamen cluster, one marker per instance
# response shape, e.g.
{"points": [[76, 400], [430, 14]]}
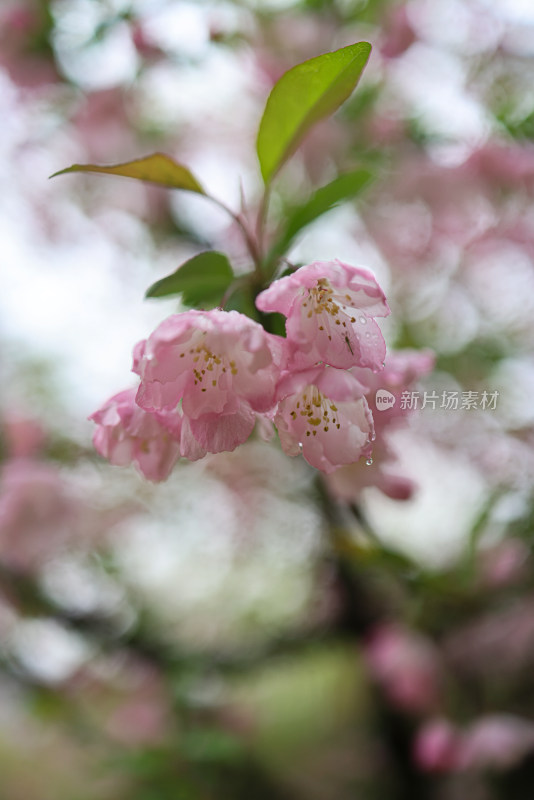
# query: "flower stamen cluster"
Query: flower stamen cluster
{"points": [[317, 411]]}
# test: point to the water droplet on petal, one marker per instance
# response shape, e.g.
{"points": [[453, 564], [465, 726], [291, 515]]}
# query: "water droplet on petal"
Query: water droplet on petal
{"points": [[369, 461], [363, 320]]}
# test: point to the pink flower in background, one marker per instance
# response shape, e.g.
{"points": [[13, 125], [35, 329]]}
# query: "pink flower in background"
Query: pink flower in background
{"points": [[38, 513], [126, 434], [407, 666], [493, 741], [499, 642], [330, 308], [221, 365], [398, 34], [401, 371], [497, 741], [24, 436], [323, 414], [347, 483], [436, 746], [504, 564]]}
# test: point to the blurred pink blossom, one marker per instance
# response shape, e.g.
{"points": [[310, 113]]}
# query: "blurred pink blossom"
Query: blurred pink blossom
{"points": [[127, 434], [407, 666], [24, 436], [504, 564], [21, 24], [38, 514], [495, 741], [130, 700], [436, 746], [498, 643], [401, 371], [398, 32]]}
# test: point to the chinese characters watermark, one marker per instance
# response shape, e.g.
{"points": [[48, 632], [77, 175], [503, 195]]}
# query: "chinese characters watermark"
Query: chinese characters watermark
{"points": [[447, 400]]}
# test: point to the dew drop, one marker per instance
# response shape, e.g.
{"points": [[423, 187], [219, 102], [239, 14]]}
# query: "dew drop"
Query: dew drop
{"points": [[369, 461], [363, 320]]}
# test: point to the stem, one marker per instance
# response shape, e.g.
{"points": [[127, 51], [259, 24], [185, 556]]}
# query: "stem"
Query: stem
{"points": [[262, 217], [360, 609], [252, 245]]}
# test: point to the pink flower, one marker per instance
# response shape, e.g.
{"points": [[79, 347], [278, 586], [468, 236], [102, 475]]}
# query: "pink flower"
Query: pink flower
{"points": [[330, 308], [401, 372], [323, 415], [39, 514], [127, 434], [494, 741], [24, 436], [221, 365], [436, 746], [399, 34], [407, 666], [497, 741]]}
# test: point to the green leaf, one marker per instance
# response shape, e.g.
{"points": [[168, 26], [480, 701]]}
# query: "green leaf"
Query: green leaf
{"points": [[241, 299], [157, 168], [202, 280], [327, 197], [304, 95]]}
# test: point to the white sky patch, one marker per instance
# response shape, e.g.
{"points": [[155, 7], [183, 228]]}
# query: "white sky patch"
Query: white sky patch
{"points": [[181, 27], [218, 86], [514, 379], [521, 11], [434, 525], [100, 64], [456, 24], [433, 82], [47, 650]]}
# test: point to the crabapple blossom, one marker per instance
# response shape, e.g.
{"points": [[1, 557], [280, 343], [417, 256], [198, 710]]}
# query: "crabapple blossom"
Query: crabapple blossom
{"points": [[45, 512], [23, 435], [323, 414], [436, 746], [497, 741], [37, 513], [330, 307], [401, 371], [221, 365], [127, 434], [407, 666], [493, 741]]}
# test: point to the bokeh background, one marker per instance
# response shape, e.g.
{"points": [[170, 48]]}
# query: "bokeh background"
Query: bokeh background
{"points": [[233, 632]]}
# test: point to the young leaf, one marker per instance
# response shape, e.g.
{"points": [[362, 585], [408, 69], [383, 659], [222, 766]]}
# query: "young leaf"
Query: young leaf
{"points": [[202, 280], [340, 189], [156, 168], [304, 95]]}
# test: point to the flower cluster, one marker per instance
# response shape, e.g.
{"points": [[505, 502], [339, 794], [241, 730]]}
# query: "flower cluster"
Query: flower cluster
{"points": [[207, 377]]}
